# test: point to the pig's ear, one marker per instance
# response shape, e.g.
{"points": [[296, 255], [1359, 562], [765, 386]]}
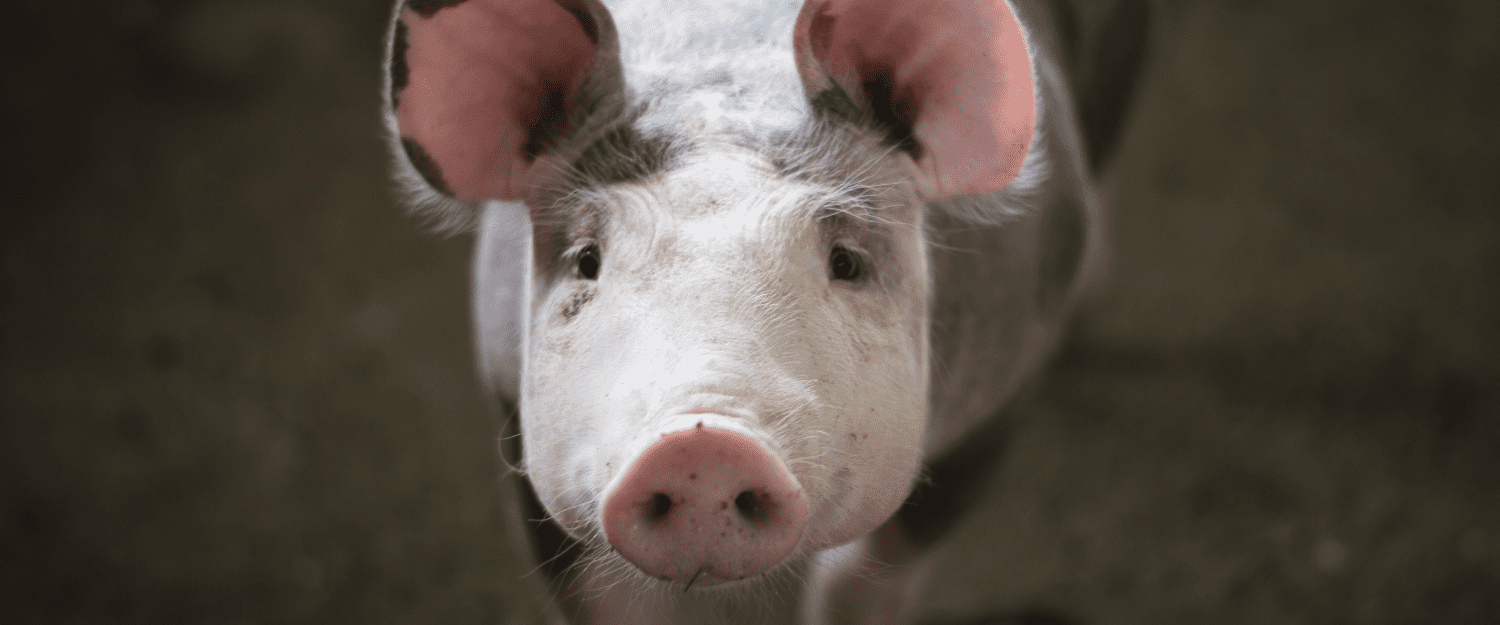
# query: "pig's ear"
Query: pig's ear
{"points": [[479, 89], [951, 80]]}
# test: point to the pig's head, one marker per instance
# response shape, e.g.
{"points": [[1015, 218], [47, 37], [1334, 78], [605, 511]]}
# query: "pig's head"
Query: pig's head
{"points": [[725, 336]]}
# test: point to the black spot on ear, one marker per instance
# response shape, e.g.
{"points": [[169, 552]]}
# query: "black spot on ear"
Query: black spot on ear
{"points": [[887, 114], [399, 69], [576, 303], [426, 8], [892, 111], [425, 166], [551, 119], [585, 19]]}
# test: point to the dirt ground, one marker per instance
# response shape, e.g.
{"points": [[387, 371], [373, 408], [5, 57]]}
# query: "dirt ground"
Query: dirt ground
{"points": [[237, 384]]}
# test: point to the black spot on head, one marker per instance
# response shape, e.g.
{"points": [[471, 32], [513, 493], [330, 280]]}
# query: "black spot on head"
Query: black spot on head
{"points": [[425, 165], [624, 154], [834, 101], [399, 69], [719, 77], [426, 8], [810, 153], [833, 144]]}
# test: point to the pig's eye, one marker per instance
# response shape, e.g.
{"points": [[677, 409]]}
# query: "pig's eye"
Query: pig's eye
{"points": [[844, 264], [588, 262]]}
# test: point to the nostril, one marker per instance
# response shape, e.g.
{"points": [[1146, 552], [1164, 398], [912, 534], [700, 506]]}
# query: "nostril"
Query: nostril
{"points": [[751, 506], [660, 506]]}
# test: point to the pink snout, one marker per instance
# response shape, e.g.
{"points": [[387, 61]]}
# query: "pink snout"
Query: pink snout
{"points": [[705, 506]]}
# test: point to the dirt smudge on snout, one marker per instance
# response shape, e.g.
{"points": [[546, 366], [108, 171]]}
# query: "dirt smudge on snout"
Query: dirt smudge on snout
{"points": [[576, 303]]}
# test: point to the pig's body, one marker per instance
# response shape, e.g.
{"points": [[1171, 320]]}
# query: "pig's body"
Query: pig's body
{"points": [[715, 262]]}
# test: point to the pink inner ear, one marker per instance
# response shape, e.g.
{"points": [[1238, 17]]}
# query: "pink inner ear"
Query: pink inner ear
{"points": [[959, 73], [481, 76]]}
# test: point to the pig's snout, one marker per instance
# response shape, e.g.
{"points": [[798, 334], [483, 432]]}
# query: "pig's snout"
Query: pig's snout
{"points": [[705, 506]]}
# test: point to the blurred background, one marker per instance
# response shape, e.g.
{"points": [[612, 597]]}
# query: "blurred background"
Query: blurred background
{"points": [[236, 383]]}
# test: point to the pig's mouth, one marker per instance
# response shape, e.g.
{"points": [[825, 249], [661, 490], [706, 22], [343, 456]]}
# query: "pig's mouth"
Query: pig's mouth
{"points": [[703, 579]]}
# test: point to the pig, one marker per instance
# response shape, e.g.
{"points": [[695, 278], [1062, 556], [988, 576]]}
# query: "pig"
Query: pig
{"points": [[740, 267]]}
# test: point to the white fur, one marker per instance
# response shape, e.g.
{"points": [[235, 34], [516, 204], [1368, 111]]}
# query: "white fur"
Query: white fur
{"points": [[715, 300]]}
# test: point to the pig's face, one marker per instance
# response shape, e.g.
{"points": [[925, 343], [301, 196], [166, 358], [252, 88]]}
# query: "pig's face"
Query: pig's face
{"points": [[730, 292], [724, 356]]}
